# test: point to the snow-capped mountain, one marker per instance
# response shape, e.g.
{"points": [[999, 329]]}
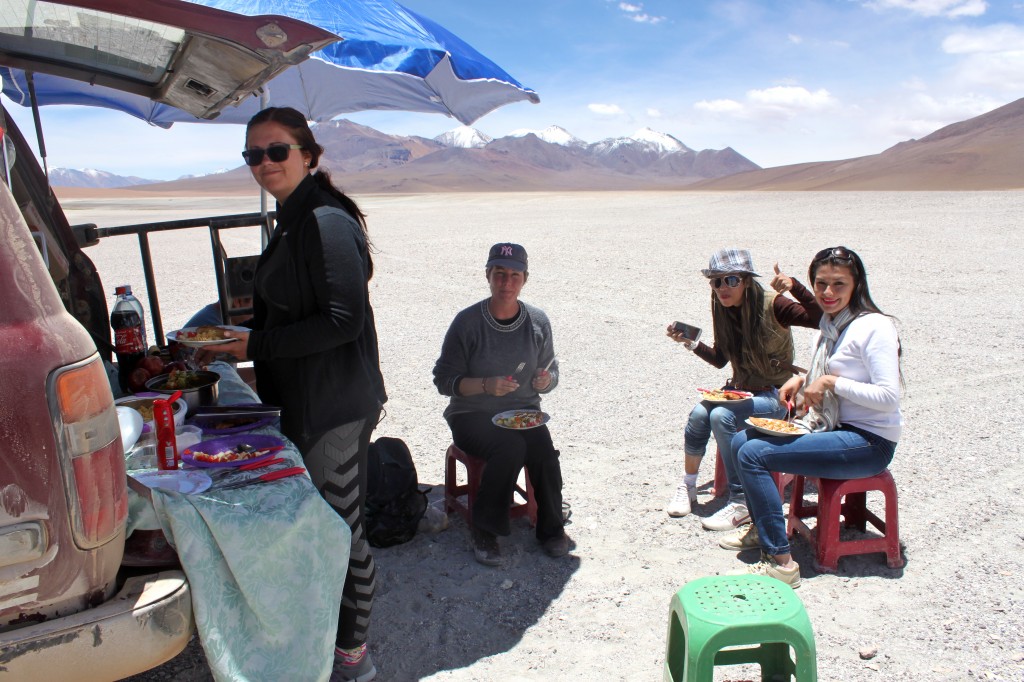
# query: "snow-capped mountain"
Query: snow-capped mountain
{"points": [[463, 137], [89, 177], [662, 141], [553, 134]]}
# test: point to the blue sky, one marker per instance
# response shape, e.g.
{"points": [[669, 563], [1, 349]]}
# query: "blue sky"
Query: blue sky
{"points": [[780, 82]]}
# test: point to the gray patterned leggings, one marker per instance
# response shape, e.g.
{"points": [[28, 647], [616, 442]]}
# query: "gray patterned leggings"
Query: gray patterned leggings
{"points": [[337, 465]]}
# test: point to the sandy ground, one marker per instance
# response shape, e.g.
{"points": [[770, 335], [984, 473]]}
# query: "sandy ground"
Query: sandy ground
{"points": [[611, 270]]}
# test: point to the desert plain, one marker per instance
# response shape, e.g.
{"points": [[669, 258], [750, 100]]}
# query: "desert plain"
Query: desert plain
{"points": [[612, 269]]}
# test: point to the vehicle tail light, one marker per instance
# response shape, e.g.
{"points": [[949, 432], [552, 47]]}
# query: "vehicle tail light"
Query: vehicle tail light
{"points": [[89, 437]]}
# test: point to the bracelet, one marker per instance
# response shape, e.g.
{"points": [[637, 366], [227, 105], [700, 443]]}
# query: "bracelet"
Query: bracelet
{"points": [[483, 385]]}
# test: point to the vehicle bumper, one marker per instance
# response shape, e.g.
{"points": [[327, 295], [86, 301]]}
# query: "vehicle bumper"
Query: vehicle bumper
{"points": [[146, 624]]}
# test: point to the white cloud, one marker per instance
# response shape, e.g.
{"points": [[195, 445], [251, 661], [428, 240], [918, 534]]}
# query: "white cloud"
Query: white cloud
{"points": [[934, 8], [795, 39], [635, 12], [923, 114], [994, 38], [792, 97], [654, 113], [606, 109], [719, 106]]}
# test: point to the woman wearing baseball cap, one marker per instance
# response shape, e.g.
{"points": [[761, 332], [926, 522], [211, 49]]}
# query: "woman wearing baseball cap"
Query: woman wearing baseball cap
{"points": [[479, 368], [752, 333]]}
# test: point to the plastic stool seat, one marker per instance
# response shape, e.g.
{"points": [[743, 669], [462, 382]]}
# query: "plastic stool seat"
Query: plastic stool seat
{"points": [[760, 616], [454, 492], [825, 537]]}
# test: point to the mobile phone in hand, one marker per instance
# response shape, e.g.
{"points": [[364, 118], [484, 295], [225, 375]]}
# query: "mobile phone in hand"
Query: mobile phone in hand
{"points": [[689, 332]]}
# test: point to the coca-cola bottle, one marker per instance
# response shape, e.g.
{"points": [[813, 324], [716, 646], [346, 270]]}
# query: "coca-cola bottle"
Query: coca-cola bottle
{"points": [[129, 342], [137, 304]]}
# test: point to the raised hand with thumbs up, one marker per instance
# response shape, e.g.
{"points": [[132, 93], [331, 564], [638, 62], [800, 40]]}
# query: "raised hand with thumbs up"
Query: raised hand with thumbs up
{"points": [[780, 282]]}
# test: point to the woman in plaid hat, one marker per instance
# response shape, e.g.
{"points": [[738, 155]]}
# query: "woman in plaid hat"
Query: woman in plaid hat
{"points": [[752, 333]]}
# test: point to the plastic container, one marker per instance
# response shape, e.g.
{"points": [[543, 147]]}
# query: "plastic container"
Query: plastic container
{"points": [[187, 436], [129, 334]]}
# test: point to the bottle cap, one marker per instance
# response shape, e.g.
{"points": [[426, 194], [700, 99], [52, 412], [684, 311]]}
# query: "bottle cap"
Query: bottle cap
{"points": [[121, 289]]}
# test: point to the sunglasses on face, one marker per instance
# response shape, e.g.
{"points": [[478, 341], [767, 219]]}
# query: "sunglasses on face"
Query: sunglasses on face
{"points": [[836, 254], [731, 281], [275, 152]]}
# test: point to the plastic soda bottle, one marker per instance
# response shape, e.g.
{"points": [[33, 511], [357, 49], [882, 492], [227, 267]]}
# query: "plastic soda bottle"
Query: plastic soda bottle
{"points": [[129, 338]]}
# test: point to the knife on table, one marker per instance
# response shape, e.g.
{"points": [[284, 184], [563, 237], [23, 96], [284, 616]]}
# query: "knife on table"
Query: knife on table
{"points": [[265, 478], [221, 473]]}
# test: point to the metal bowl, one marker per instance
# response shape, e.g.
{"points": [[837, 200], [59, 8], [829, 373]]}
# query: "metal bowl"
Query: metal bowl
{"points": [[202, 393]]}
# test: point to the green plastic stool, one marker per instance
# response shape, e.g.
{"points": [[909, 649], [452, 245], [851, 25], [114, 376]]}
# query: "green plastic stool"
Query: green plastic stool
{"points": [[712, 613]]}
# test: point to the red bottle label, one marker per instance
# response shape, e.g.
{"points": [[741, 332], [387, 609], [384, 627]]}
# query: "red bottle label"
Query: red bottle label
{"points": [[128, 340]]}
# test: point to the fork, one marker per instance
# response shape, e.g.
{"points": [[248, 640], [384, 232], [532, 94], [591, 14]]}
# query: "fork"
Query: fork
{"points": [[522, 365]]}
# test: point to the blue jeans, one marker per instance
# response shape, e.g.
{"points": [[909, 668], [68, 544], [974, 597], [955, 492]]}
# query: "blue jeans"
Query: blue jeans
{"points": [[723, 421], [846, 453]]}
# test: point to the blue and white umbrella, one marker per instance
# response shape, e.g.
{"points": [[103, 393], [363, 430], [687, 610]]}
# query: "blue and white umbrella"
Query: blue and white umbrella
{"points": [[390, 58]]}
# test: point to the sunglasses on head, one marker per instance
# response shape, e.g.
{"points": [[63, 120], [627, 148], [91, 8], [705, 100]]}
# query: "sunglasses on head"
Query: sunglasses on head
{"points": [[836, 254], [276, 152], [731, 281]]}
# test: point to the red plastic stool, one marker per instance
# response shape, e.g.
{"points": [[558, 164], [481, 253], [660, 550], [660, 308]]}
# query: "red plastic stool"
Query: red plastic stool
{"points": [[721, 485], [474, 469], [825, 537]]}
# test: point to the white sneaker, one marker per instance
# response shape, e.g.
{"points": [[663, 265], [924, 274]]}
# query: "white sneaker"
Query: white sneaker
{"points": [[732, 515], [684, 501]]}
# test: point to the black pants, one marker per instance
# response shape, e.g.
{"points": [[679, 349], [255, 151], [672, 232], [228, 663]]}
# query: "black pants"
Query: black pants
{"points": [[506, 452], [337, 465]]}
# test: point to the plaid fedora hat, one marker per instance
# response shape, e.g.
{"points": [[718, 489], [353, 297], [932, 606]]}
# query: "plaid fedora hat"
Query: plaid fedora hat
{"points": [[727, 261]]}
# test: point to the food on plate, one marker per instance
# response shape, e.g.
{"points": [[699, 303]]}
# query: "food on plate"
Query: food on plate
{"points": [[204, 333], [724, 394], [521, 420], [144, 406], [239, 452], [780, 426], [183, 379]]}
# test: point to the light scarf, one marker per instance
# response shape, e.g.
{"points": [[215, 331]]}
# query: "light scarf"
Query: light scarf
{"points": [[825, 416]]}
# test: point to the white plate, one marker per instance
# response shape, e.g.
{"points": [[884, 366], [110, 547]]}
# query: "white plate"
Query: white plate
{"points": [[186, 482], [544, 419], [131, 426], [769, 432], [173, 336], [723, 401]]}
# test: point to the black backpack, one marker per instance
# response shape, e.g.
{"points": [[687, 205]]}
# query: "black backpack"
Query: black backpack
{"points": [[394, 502]]}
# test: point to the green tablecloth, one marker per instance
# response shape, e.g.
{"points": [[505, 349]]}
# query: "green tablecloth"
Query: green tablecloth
{"points": [[266, 565]]}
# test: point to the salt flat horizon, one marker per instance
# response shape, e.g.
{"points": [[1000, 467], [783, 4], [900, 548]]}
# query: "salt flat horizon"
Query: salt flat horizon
{"points": [[612, 269]]}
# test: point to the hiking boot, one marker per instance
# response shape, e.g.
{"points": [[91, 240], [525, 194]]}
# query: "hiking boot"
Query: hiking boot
{"points": [[744, 538], [360, 670], [767, 566], [732, 515], [557, 546], [485, 548], [684, 501]]}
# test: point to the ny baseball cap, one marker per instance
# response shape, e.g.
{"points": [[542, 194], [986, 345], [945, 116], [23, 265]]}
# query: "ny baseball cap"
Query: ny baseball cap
{"points": [[507, 255]]}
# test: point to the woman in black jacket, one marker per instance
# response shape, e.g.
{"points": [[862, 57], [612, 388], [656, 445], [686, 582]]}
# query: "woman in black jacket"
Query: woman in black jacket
{"points": [[314, 342]]}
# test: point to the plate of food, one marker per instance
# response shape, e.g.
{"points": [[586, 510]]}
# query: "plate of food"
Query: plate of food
{"points": [[179, 480], [777, 427], [207, 335], [724, 395], [231, 451], [521, 419]]}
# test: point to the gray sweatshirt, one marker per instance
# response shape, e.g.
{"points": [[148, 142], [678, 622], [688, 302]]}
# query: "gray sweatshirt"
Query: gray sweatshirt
{"points": [[477, 345]]}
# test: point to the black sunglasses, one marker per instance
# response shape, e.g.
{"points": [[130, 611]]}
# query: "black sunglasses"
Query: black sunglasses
{"points": [[731, 281], [276, 152], [837, 254]]}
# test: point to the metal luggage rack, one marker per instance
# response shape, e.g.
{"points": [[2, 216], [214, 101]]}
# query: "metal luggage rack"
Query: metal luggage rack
{"points": [[233, 274]]}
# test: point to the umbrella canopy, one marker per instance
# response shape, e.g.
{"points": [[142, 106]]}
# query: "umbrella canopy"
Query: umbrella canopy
{"points": [[390, 58]]}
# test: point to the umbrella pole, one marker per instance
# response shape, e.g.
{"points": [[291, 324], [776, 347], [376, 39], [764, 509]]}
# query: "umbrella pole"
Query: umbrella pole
{"points": [[265, 231]]}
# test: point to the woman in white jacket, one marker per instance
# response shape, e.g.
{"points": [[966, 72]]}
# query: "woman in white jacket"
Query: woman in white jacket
{"points": [[852, 394]]}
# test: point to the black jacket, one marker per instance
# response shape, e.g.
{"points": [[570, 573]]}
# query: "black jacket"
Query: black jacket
{"points": [[314, 341]]}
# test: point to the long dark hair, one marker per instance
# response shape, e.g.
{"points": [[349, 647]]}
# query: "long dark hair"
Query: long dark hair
{"points": [[295, 122], [860, 299], [742, 330]]}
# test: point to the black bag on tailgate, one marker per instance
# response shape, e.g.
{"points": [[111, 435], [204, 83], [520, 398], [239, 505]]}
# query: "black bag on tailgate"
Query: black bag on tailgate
{"points": [[394, 502]]}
